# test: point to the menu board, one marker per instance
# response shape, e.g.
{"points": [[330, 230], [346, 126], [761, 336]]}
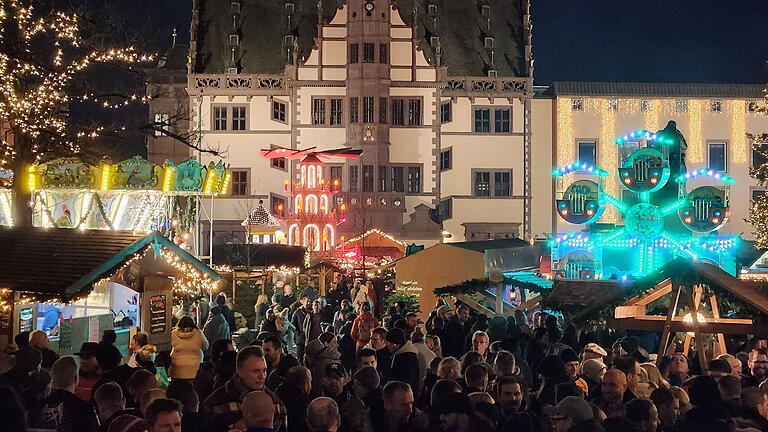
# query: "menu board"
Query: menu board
{"points": [[157, 314], [65, 336], [26, 319]]}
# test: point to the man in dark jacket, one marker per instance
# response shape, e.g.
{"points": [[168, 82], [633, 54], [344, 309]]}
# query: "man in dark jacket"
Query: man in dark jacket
{"points": [[229, 316], [62, 410], [312, 328], [297, 321], [405, 359], [278, 362], [351, 409], [223, 405], [397, 414]]}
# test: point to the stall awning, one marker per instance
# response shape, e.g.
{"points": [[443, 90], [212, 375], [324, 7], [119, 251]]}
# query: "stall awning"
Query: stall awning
{"points": [[528, 280], [64, 263], [258, 255]]}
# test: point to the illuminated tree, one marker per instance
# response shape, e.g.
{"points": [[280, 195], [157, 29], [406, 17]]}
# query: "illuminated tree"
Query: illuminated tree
{"points": [[44, 58], [758, 214]]}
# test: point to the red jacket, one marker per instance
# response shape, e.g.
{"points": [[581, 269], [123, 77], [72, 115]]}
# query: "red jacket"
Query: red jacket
{"points": [[362, 327]]}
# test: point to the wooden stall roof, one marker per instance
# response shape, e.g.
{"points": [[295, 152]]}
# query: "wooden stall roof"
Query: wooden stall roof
{"points": [[683, 270], [61, 263], [581, 297]]}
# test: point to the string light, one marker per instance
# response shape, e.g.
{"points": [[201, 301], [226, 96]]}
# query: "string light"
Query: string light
{"points": [[608, 153], [375, 231], [566, 143], [738, 132], [695, 153]]}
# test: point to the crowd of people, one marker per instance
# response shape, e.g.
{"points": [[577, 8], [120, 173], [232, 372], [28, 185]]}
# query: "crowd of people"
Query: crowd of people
{"points": [[341, 363]]}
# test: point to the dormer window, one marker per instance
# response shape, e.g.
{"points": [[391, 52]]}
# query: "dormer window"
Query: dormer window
{"points": [[232, 71], [489, 43], [234, 8], [432, 10], [492, 73], [485, 10], [434, 41], [234, 40], [290, 9], [289, 40]]}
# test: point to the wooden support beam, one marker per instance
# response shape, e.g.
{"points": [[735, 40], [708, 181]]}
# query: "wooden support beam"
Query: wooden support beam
{"points": [[649, 297], [694, 307], [720, 337], [725, 327], [666, 330]]}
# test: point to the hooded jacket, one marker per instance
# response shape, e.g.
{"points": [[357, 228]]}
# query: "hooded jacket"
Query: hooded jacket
{"points": [[319, 355], [406, 366], [216, 328], [187, 353]]}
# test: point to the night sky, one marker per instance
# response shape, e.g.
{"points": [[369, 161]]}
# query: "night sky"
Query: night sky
{"points": [[710, 41]]}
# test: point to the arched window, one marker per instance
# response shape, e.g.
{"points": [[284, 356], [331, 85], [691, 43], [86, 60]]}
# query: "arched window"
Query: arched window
{"points": [[303, 170], [324, 207], [329, 237], [311, 204], [311, 237], [311, 177], [298, 203], [293, 235]]}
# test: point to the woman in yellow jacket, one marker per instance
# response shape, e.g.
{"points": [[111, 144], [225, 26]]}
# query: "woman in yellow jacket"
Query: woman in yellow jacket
{"points": [[188, 344]]}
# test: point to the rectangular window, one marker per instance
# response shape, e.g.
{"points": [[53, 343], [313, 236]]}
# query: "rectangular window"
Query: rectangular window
{"points": [[446, 161], [354, 53], [239, 182], [645, 105], [586, 151], [368, 109], [681, 105], [278, 163], [414, 112], [161, 122], [757, 194], [367, 178], [318, 112], [482, 120], [369, 51], [414, 180], [446, 112], [354, 110], [383, 178], [613, 105], [501, 120], [716, 106], [577, 104], [337, 111], [239, 118], [758, 155], [502, 183], [220, 118], [398, 184], [278, 111], [752, 105], [383, 53], [482, 187], [336, 175], [445, 209], [354, 175], [383, 110], [398, 114], [718, 156]]}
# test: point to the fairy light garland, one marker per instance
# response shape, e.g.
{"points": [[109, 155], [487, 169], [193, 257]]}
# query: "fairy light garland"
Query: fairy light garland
{"points": [[375, 231]]}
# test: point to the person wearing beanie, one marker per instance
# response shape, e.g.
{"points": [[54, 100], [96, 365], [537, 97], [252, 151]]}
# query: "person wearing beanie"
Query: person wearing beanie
{"points": [[367, 385], [571, 360], [405, 359], [592, 372]]}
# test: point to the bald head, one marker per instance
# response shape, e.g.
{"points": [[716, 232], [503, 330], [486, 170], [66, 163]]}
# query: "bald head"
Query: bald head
{"points": [[614, 385], [323, 415], [258, 410]]}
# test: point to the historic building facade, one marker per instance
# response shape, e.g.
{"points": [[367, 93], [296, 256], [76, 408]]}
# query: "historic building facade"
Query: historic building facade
{"points": [[580, 121], [437, 94]]}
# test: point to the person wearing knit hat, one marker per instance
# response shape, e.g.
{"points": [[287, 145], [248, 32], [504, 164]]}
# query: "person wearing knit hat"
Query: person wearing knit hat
{"points": [[366, 383], [592, 372], [571, 360], [406, 366]]}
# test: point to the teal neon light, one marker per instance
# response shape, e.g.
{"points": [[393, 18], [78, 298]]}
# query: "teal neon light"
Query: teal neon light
{"points": [[708, 172], [675, 206], [616, 203], [581, 167]]}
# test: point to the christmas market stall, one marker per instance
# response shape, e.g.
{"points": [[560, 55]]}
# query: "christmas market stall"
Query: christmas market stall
{"points": [[75, 284], [441, 269]]}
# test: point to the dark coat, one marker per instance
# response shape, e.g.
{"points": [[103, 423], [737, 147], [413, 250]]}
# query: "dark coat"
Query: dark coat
{"points": [[297, 320], [65, 412], [405, 366], [296, 403], [223, 406]]}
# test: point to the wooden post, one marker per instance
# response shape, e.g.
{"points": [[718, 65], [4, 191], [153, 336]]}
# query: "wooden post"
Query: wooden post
{"points": [[500, 299], [696, 329], [716, 316], [666, 333]]}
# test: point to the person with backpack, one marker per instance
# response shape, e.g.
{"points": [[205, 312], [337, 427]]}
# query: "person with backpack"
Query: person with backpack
{"points": [[363, 326]]}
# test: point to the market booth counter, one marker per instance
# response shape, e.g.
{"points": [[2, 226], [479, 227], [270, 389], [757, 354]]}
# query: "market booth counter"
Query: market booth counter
{"points": [[75, 284]]}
